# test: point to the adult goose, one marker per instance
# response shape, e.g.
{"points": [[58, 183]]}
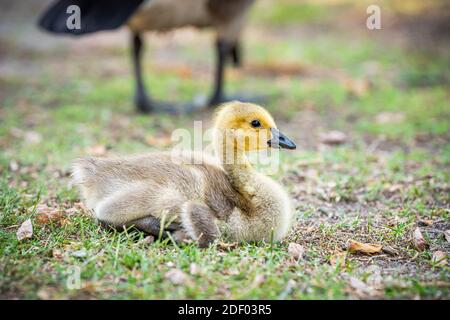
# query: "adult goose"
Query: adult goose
{"points": [[226, 17]]}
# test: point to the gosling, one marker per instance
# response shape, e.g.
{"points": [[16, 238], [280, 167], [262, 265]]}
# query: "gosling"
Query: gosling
{"points": [[203, 197]]}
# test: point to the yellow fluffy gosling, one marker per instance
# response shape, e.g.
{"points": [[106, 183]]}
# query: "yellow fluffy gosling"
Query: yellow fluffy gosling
{"points": [[198, 196]]}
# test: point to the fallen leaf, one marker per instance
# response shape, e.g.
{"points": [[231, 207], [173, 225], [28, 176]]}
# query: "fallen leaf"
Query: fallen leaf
{"points": [[439, 258], [47, 214], [447, 235], [366, 248], [194, 269], [96, 150], [419, 240], [177, 277], [333, 138], [13, 165], [25, 231], [295, 250]]}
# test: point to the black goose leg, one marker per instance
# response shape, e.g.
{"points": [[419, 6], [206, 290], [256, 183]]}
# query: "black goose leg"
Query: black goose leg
{"points": [[226, 50], [141, 100], [235, 54], [222, 52]]}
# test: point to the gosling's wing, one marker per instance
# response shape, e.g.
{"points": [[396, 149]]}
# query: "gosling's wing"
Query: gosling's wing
{"points": [[95, 15]]}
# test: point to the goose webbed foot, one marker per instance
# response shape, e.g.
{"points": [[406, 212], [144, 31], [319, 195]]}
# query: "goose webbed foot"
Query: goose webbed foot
{"points": [[144, 104]]}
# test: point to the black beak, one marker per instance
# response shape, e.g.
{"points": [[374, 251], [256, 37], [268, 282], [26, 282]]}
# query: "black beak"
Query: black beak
{"points": [[279, 140]]}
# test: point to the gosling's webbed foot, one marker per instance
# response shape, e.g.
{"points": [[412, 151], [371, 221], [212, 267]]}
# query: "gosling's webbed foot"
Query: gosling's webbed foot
{"points": [[152, 225]]}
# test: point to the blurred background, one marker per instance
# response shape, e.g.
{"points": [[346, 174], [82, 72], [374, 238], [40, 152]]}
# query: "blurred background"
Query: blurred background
{"points": [[368, 109], [325, 68]]}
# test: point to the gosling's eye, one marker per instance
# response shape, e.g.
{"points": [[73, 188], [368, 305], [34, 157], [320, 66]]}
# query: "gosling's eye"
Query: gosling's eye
{"points": [[256, 124]]}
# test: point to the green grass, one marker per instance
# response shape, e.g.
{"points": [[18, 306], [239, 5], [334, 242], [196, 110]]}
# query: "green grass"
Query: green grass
{"points": [[390, 175]]}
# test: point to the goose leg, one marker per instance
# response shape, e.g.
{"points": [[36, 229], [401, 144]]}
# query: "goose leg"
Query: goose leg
{"points": [[224, 51], [236, 55], [142, 100], [198, 221]]}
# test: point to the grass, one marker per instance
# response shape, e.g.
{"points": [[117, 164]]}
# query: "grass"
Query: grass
{"points": [[389, 177]]}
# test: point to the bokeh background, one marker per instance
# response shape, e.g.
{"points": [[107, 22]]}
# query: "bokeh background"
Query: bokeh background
{"points": [[368, 109]]}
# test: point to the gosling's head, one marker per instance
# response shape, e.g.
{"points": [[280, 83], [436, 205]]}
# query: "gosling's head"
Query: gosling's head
{"points": [[249, 127]]}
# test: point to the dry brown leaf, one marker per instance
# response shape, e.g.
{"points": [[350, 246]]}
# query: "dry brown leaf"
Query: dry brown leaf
{"points": [[439, 258], [176, 276], [25, 231], [333, 138], [366, 248], [96, 150], [418, 240], [295, 250], [46, 214], [447, 235]]}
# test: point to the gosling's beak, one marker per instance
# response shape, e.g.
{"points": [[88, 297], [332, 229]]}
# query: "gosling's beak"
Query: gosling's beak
{"points": [[279, 140]]}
